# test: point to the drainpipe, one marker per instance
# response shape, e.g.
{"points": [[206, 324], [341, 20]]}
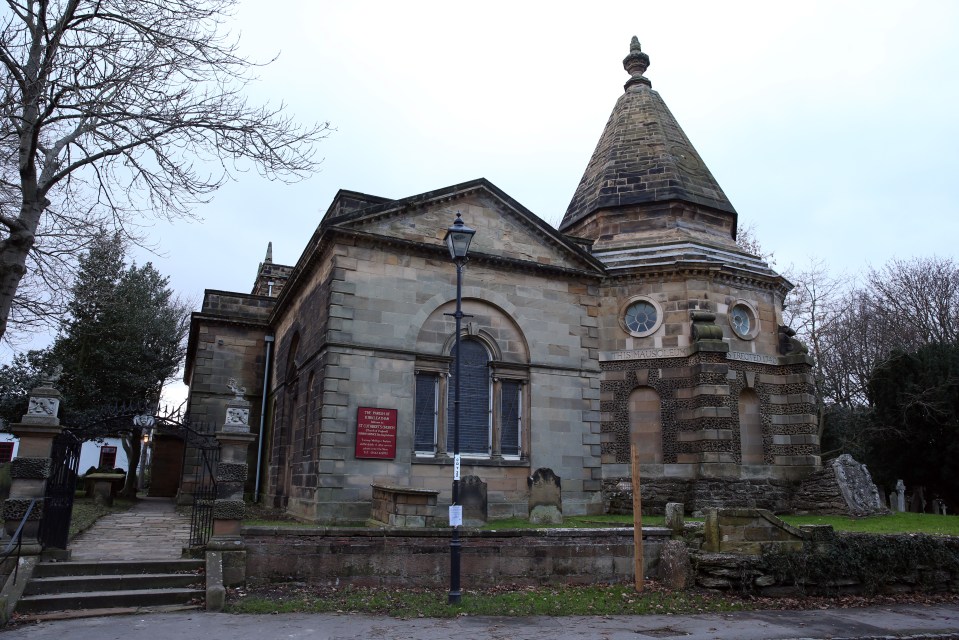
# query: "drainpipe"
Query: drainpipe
{"points": [[268, 340]]}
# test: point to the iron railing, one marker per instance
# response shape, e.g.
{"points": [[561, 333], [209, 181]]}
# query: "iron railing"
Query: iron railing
{"points": [[204, 497]]}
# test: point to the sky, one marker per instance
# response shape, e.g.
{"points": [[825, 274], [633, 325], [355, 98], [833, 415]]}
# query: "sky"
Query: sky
{"points": [[831, 126]]}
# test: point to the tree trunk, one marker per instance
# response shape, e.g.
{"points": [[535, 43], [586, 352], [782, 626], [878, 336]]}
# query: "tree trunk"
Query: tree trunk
{"points": [[133, 448], [13, 255]]}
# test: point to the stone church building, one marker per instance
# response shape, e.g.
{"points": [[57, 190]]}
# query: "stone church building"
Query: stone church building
{"points": [[639, 319]]}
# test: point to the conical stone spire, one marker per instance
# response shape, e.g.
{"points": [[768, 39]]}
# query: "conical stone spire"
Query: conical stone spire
{"points": [[644, 157]]}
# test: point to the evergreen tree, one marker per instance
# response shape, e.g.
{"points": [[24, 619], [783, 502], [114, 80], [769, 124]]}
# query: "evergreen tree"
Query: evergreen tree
{"points": [[123, 339], [915, 420]]}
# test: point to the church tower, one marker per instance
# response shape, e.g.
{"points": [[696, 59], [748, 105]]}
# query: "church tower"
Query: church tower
{"points": [[697, 367]]}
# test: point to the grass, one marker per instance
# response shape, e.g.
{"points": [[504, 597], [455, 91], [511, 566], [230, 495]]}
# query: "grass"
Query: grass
{"points": [[894, 523], [85, 513], [617, 599]]}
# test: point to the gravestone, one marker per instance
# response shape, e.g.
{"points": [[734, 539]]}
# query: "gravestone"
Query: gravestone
{"points": [[675, 568], [842, 486], [674, 517], [917, 501], [857, 488], [545, 497], [900, 496], [473, 499]]}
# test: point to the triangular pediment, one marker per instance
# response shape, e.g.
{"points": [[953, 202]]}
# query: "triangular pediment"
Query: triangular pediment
{"points": [[504, 228]]}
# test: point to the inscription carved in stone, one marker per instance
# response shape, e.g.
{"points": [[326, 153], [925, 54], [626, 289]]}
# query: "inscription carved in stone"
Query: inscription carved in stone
{"points": [[743, 356], [645, 354]]}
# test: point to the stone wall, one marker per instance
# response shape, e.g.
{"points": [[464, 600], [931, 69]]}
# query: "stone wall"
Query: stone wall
{"points": [[870, 564], [699, 495], [421, 558]]}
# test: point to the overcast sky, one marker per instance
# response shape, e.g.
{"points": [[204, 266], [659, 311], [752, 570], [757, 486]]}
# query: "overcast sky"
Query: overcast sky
{"points": [[831, 126]]}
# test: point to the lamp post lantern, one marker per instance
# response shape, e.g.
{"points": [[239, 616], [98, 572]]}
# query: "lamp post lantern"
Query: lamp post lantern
{"points": [[458, 238]]}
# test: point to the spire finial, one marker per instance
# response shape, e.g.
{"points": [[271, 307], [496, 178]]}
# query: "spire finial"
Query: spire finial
{"points": [[636, 64], [269, 252]]}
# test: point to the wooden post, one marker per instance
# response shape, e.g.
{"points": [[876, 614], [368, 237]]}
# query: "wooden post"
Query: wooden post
{"points": [[637, 519]]}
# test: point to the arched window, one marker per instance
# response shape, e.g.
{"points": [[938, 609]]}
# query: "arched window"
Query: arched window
{"points": [[475, 393], [750, 427], [646, 426]]}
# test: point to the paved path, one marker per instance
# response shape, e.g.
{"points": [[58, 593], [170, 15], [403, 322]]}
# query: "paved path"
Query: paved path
{"points": [[151, 530], [900, 621]]}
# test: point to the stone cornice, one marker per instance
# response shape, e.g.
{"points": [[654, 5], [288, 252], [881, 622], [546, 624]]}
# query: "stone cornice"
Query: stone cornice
{"points": [[712, 271]]}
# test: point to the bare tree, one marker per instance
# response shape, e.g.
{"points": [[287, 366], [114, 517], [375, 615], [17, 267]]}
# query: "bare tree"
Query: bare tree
{"points": [[748, 241], [918, 300], [813, 308], [112, 109]]}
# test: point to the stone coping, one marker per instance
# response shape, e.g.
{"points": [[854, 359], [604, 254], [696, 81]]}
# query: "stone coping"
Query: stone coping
{"points": [[104, 476], [444, 532], [392, 488]]}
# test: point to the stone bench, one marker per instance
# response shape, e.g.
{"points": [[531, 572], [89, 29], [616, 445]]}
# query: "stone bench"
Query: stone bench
{"points": [[396, 506]]}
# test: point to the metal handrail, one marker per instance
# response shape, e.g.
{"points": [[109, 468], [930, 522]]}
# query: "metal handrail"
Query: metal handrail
{"points": [[17, 538]]}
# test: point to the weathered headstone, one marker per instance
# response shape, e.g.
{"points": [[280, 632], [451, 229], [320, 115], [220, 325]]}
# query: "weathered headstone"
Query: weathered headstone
{"points": [[675, 569], [917, 501], [842, 486], [856, 486], [900, 496], [674, 517], [545, 497], [473, 499]]}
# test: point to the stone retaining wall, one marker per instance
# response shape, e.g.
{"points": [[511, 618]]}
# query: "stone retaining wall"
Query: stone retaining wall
{"points": [[699, 495], [377, 557]]}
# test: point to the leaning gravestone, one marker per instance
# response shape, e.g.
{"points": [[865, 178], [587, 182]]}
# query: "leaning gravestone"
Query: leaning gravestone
{"points": [[545, 497], [843, 487], [473, 499]]}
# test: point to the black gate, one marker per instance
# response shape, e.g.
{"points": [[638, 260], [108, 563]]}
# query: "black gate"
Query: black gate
{"points": [[204, 496], [61, 487]]}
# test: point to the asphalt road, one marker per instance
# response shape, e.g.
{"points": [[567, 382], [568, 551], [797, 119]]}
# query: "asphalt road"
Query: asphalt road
{"points": [[899, 621]]}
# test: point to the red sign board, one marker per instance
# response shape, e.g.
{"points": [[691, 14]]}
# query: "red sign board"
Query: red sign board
{"points": [[376, 433]]}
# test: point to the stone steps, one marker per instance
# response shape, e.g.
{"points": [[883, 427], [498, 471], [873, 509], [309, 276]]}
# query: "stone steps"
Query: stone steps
{"points": [[78, 586]]}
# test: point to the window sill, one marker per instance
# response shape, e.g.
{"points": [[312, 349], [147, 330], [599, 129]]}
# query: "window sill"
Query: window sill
{"points": [[471, 462]]}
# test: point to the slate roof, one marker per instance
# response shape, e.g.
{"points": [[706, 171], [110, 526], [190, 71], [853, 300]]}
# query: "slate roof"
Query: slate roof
{"points": [[643, 155]]}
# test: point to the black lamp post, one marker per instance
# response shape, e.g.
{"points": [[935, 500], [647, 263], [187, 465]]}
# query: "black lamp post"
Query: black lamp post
{"points": [[458, 238]]}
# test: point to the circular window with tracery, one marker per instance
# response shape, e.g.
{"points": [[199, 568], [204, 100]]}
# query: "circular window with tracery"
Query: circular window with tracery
{"points": [[742, 319], [641, 317]]}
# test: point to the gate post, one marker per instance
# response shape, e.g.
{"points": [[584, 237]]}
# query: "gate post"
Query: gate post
{"points": [[30, 470], [231, 473]]}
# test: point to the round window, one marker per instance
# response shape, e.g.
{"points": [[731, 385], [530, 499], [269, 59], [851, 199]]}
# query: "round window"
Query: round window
{"points": [[641, 317], [742, 319]]}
